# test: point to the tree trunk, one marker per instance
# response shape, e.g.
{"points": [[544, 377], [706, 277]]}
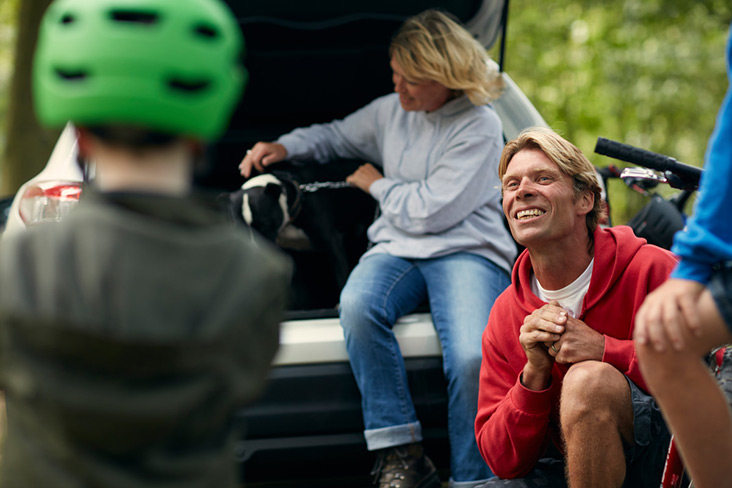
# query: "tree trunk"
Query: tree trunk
{"points": [[28, 145]]}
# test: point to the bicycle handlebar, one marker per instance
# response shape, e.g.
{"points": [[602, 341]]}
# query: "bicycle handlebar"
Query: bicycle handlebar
{"points": [[688, 174]]}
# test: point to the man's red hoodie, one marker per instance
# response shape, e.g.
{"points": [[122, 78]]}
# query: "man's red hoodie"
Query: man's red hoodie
{"points": [[514, 424]]}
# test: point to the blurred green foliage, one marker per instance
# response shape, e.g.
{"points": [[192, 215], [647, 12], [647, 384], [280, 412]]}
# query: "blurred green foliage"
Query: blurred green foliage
{"points": [[650, 73], [8, 17]]}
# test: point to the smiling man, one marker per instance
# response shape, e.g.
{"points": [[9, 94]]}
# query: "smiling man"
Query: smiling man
{"points": [[562, 401]]}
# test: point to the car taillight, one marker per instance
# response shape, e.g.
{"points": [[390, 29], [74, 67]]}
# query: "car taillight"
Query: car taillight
{"points": [[48, 201]]}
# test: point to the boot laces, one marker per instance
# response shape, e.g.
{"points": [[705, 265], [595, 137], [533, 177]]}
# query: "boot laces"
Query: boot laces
{"points": [[392, 462]]}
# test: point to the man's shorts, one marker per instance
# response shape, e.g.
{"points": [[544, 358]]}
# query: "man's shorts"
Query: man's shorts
{"points": [[644, 460], [720, 287]]}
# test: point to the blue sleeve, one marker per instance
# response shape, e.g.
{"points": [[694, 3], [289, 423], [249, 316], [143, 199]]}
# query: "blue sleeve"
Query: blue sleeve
{"points": [[707, 239]]}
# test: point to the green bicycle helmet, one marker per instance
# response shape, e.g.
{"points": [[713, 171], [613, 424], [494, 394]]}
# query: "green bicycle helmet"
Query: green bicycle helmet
{"points": [[171, 66]]}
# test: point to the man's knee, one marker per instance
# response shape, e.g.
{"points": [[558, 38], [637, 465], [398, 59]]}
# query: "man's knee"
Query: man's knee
{"points": [[589, 379], [594, 392]]}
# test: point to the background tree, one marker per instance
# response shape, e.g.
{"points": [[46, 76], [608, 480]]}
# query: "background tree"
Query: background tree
{"points": [[649, 73], [8, 18], [646, 72], [27, 144]]}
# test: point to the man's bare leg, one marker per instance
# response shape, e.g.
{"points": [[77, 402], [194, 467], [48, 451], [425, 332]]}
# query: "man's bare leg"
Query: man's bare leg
{"points": [[691, 401], [596, 415]]}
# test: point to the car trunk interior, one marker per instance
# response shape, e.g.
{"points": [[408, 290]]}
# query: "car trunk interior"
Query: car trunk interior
{"points": [[313, 62]]}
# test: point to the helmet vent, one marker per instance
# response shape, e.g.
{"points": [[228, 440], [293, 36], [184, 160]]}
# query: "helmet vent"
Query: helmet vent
{"points": [[207, 31], [134, 17], [71, 75], [188, 86]]}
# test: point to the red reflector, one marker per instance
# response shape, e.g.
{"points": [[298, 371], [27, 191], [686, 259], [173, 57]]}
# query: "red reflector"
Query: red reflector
{"points": [[48, 201], [65, 191]]}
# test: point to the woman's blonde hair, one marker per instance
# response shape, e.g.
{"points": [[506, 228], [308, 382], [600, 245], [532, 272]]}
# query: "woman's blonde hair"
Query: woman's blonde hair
{"points": [[433, 46]]}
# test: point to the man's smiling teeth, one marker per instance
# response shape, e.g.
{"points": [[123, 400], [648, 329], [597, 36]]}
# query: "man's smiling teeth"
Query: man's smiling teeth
{"points": [[525, 214]]}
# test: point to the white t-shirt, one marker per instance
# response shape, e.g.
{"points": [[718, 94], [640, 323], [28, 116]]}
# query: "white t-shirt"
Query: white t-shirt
{"points": [[571, 296]]}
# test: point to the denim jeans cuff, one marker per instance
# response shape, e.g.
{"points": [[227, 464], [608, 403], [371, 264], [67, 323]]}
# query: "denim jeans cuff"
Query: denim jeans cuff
{"points": [[466, 484], [396, 435]]}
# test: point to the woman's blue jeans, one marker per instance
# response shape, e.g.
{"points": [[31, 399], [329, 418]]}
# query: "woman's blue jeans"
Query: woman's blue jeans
{"points": [[461, 289]]}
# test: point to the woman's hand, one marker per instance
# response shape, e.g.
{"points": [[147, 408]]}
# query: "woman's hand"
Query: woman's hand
{"points": [[364, 176], [261, 155]]}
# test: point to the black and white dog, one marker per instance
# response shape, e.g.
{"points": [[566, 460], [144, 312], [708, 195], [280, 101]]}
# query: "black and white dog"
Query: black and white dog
{"points": [[324, 231], [269, 204]]}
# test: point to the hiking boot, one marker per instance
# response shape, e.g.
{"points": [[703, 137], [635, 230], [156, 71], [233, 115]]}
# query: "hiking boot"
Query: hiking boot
{"points": [[404, 467]]}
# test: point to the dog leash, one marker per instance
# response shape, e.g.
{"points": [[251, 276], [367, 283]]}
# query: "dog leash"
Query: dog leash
{"points": [[301, 188], [319, 185]]}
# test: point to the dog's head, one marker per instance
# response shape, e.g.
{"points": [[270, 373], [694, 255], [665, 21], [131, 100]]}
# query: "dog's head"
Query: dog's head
{"points": [[266, 203]]}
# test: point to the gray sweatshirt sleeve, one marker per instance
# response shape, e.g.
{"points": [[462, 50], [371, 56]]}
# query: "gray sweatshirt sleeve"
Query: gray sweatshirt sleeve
{"points": [[357, 136], [461, 181]]}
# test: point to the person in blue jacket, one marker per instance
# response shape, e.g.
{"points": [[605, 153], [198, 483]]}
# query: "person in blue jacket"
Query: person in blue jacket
{"points": [[691, 314]]}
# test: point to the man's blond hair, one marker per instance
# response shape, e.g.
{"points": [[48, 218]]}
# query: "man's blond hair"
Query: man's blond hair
{"points": [[570, 160]]}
